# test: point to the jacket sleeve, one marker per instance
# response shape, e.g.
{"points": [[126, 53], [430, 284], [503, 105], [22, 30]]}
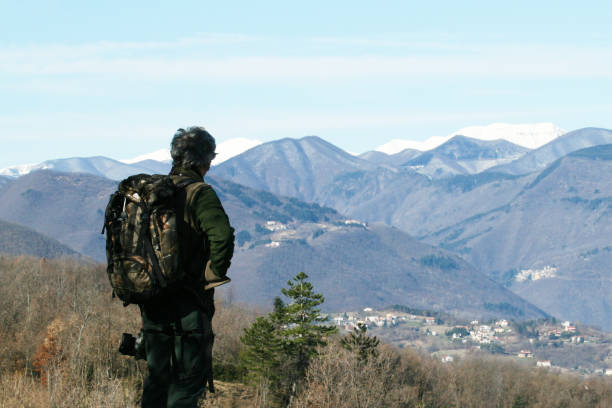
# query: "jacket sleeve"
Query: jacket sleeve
{"points": [[213, 220]]}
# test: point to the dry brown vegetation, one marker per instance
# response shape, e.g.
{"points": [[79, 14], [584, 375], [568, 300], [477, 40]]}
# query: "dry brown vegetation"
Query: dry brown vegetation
{"points": [[60, 328], [59, 334], [404, 378]]}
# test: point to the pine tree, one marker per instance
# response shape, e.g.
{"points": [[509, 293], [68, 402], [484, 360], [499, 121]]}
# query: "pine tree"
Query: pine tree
{"points": [[278, 348], [304, 330], [277, 317], [261, 352], [360, 343]]}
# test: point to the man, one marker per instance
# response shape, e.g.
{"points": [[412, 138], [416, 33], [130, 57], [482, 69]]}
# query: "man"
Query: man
{"points": [[177, 328]]}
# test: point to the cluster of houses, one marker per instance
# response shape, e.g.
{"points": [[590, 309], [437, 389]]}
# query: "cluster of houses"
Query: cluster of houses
{"points": [[536, 274], [567, 331], [355, 222], [474, 335], [275, 226], [482, 333], [370, 319]]}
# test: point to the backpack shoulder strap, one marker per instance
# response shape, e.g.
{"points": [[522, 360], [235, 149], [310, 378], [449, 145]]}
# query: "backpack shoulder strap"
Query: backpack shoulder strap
{"points": [[194, 188], [191, 188]]}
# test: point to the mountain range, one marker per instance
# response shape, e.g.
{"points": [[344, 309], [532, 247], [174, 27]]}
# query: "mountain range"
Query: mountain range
{"points": [[464, 155], [99, 166], [531, 136], [352, 264], [536, 222], [556, 218], [570, 142]]}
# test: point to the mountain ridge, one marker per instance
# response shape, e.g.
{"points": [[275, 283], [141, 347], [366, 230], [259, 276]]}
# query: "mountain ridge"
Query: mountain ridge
{"points": [[16, 239], [293, 167], [526, 135], [540, 158], [354, 264], [465, 155]]}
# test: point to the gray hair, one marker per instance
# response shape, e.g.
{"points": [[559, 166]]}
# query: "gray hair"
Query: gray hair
{"points": [[193, 147]]}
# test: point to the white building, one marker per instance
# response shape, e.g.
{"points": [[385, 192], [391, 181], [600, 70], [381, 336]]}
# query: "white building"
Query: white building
{"points": [[502, 323], [448, 359], [275, 226]]}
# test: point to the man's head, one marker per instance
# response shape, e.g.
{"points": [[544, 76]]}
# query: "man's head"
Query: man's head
{"points": [[193, 148]]}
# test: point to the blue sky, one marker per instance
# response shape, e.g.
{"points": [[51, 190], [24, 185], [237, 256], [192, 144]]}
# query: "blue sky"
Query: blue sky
{"points": [[117, 78]]}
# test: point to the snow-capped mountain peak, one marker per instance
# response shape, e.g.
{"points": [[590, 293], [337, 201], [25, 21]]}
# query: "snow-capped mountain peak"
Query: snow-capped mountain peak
{"points": [[398, 145], [531, 136], [161, 155], [158, 162], [233, 147], [22, 169], [225, 150]]}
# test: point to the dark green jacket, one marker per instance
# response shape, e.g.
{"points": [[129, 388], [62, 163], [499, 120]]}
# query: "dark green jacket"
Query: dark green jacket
{"points": [[208, 234]]}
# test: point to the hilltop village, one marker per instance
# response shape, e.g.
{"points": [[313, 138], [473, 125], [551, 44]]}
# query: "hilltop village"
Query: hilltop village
{"points": [[547, 343]]}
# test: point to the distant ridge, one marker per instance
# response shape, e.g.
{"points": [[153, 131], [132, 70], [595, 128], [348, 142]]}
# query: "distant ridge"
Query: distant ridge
{"points": [[394, 160], [570, 142], [354, 264], [530, 136], [98, 166], [465, 155], [69, 206], [19, 240], [291, 167]]}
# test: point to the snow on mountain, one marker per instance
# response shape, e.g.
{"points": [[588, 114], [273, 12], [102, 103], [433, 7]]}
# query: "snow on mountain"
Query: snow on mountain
{"points": [[531, 136], [233, 147], [225, 150], [465, 155], [540, 158], [99, 166], [23, 169], [161, 155], [398, 145], [155, 162]]}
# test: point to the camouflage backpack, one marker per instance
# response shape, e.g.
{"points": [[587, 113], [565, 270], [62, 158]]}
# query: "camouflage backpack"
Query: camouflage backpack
{"points": [[142, 251]]}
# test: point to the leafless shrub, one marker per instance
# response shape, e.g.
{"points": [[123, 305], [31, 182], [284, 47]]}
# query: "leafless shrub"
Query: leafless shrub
{"points": [[228, 324], [336, 378], [60, 328]]}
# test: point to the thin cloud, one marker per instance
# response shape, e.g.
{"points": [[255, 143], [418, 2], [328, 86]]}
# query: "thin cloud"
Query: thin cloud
{"points": [[509, 62], [108, 48]]}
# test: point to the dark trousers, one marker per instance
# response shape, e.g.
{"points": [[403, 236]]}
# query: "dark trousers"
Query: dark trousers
{"points": [[178, 343]]}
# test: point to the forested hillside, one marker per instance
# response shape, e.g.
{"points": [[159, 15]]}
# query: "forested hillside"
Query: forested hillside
{"points": [[18, 240]]}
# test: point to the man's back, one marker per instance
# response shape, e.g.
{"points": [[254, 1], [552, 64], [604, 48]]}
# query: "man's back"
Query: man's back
{"points": [[177, 326]]}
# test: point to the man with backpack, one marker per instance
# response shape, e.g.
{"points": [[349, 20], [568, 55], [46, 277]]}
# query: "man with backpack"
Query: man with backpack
{"points": [[173, 287]]}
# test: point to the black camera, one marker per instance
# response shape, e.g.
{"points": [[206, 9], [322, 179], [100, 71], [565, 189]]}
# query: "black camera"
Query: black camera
{"points": [[133, 346]]}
